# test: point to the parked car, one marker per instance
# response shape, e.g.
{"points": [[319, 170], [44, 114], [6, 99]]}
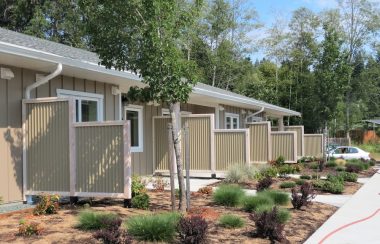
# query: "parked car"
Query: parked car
{"points": [[331, 146], [349, 153]]}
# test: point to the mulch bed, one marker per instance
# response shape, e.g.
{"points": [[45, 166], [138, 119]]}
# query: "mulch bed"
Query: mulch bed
{"points": [[60, 228]]}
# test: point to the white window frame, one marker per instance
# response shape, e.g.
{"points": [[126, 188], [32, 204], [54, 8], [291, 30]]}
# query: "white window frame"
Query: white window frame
{"points": [[166, 112], [139, 109], [231, 116], [79, 96]]}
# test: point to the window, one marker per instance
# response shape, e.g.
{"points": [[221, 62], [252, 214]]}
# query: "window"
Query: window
{"points": [[232, 121], [88, 106], [352, 150], [134, 114]]}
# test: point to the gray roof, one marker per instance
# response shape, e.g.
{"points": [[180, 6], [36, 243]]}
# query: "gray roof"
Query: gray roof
{"points": [[373, 121], [62, 50]]}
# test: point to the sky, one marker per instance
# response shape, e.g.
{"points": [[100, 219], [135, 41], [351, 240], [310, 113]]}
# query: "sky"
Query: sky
{"points": [[268, 10]]}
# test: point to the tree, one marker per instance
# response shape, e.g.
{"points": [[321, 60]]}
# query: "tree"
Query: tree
{"points": [[146, 37]]}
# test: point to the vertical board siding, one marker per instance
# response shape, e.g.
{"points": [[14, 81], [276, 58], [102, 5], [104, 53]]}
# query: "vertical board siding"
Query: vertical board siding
{"points": [[283, 144], [161, 154], [259, 134], [314, 145], [229, 149], [100, 159], [300, 138], [47, 126], [200, 142]]}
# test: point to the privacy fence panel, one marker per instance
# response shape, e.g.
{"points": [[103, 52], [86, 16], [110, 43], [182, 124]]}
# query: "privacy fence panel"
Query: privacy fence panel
{"points": [[46, 145], [314, 145], [260, 145], [99, 158], [231, 147], [160, 143], [300, 138], [73, 159], [284, 143]]}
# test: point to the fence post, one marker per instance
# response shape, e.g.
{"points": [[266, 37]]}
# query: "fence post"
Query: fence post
{"points": [[171, 165], [127, 164], [72, 151], [187, 164]]}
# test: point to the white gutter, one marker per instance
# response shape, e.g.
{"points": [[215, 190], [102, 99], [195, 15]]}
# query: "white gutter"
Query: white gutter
{"points": [[250, 116], [44, 80]]}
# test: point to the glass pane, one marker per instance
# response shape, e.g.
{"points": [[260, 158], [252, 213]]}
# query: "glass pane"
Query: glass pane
{"points": [[77, 110], [133, 116], [228, 122], [235, 123], [89, 110]]}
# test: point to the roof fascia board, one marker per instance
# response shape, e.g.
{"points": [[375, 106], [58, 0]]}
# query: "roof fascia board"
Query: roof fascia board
{"points": [[53, 58]]}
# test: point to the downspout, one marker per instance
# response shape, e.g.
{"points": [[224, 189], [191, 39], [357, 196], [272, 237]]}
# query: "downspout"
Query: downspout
{"points": [[251, 115], [44, 80]]}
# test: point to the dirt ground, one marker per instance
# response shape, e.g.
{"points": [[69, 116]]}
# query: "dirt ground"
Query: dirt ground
{"points": [[60, 228]]}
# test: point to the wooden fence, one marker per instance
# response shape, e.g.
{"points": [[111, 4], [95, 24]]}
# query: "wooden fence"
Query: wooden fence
{"points": [[73, 159]]}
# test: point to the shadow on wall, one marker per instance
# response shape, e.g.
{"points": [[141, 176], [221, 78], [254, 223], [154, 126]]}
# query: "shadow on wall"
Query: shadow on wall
{"points": [[13, 136]]}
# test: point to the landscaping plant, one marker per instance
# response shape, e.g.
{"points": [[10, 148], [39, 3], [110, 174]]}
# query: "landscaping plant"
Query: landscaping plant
{"points": [[300, 182], [283, 214], [47, 204], [140, 201], [349, 177], [138, 186], [305, 177], [112, 233], [251, 203], [231, 221], [155, 228], [340, 168], [192, 230], [236, 174], [228, 195], [159, 184], [90, 220], [278, 197], [331, 164], [264, 183], [288, 184], [207, 190], [304, 197], [26, 228], [268, 172], [268, 225]]}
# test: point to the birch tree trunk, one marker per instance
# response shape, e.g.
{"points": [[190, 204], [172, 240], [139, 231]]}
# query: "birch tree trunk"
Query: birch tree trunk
{"points": [[176, 132]]}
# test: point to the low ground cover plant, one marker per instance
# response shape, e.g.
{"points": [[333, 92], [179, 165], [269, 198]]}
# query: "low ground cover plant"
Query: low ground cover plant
{"points": [[207, 190], [90, 220], [112, 233], [300, 181], [251, 203], [159, 184], [278, 197], [192, 229], [231, 221], [155, 228], [228, 195], [305, 177], [283, 214], [356, 166], [349, 177], [331, 164], [333, 184], [287, 184], [141, 201], [264, 183], [313, 165], [268, 225], [27, 228], [47, 204], [340, 168], [303, 197]]}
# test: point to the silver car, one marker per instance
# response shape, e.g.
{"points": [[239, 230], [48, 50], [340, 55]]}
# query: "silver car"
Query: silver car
{"points": [[349, 153]]}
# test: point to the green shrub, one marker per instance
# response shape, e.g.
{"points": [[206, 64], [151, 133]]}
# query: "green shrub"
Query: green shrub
{"points": [[240, 173], [47, 204], [283, 214], [27, 228], [155, 228], [331, 164], [231, 221], [90, 220], [269, 172], [300, 181], [287, 169], [228, 195], [278, 197], [349, 177], [287, 184], [313, 165], [141, 201], [315, 176], [340, 168], [305, 177], [319, 184], [138, 186], [372, 162], [334, 187], [251, 203]]}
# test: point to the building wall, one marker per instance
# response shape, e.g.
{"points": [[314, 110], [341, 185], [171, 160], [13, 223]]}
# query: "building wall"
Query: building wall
{"points": [[11, 95]]}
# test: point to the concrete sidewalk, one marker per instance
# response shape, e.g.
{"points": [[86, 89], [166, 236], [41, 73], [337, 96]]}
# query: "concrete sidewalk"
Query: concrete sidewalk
{"points": [[358, 221]]}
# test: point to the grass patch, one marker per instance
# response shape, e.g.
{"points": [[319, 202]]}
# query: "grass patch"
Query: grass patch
{"points": [[305, 177], [278, 197], [288, 184], [251, 203], [231, 221], [228, 195], [155, 228], [331, 164], [300, 182], [90, 220]]}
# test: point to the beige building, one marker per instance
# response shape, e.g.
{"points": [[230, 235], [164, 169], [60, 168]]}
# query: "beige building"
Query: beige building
{"points": [[33, 68]]}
